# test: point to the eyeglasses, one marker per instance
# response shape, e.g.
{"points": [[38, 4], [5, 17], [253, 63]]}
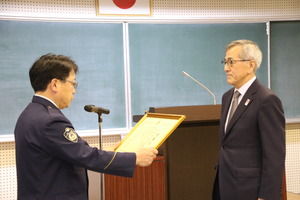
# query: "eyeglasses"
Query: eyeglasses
{"points": [[75, 84], [231, 62]]}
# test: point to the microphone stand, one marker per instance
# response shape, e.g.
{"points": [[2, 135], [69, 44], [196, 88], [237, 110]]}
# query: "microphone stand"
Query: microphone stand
{"points": [[212, 94], [99, 111], [102, 196]]}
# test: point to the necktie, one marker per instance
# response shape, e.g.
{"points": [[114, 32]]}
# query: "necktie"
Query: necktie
{"points": [[234, 104]]}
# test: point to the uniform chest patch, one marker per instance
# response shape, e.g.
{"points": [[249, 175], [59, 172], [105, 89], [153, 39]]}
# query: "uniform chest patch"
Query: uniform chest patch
{"points": [[71, 135]]}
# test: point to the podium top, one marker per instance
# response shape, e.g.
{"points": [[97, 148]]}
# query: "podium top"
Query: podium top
{"points": [[194, 114]]}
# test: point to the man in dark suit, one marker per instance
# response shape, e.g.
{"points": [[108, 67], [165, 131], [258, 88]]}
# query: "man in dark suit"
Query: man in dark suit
{"points": [[252, 143], [51, 158]]}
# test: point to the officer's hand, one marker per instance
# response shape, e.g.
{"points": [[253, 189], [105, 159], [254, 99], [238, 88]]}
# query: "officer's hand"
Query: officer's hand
{"points": [[144, 157]]}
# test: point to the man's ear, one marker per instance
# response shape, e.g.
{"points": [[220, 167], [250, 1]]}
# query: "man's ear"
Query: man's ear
{"points": [[252, 66], [54, 85]]}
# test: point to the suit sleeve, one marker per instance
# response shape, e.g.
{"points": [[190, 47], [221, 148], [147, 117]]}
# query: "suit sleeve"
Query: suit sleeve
{"points": [[272, 132]]}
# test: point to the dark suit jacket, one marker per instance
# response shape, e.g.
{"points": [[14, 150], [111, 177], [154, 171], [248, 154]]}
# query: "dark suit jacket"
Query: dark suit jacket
{"points": [[252, 151], [52, 162]]}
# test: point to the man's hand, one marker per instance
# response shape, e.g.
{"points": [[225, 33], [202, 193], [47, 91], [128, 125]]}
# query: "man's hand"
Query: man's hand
{"points": [[144, 157]]}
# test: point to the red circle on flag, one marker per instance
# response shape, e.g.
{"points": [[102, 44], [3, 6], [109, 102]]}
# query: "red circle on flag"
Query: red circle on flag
{"points": [[124, 4]]}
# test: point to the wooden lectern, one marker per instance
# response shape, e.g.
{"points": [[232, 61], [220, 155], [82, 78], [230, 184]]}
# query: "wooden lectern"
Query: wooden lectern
{"points": [[191, 152]]}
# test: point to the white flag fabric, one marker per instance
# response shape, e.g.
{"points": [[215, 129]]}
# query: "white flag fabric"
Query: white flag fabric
{"points": [[124, 7]]}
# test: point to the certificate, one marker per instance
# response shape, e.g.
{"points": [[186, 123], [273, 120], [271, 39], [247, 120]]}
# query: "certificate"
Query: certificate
{"points": [[151, 131]]}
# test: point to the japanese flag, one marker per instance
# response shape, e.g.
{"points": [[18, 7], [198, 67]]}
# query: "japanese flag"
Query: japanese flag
{"points": [[124, 7]]}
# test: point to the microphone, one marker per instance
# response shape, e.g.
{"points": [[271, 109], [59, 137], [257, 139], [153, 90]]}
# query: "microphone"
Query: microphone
{"points": [[93, 108], [201, 85]]}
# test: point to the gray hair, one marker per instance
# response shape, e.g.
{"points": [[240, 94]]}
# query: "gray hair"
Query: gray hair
{"points": [[250, 51]]}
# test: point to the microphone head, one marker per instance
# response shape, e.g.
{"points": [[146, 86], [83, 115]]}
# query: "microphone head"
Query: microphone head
{"points": [[185, 73], [88, 108], [98, 110]]}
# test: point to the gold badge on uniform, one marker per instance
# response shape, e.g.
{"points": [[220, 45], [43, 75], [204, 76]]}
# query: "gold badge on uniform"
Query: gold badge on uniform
{"points": [[71, 135]]}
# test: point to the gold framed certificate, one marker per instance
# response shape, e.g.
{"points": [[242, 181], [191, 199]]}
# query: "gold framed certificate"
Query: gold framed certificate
{"points": [[151, 131]]}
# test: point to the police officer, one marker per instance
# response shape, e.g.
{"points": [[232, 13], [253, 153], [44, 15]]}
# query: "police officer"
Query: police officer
{"points": [[51, 158]]}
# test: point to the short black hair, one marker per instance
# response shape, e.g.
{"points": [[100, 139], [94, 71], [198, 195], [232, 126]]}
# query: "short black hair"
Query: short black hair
{"points": [[48, 67]]}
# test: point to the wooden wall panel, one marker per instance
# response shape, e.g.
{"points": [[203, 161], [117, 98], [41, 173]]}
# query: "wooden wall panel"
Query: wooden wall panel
{"points": [[148, 183]]}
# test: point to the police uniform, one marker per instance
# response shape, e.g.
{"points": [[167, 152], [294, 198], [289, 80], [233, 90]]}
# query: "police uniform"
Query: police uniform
{"points": [[52, 159]]}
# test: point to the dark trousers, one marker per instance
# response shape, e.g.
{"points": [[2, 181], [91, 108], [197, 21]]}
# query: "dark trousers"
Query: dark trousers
{"points": [[216, 189]]}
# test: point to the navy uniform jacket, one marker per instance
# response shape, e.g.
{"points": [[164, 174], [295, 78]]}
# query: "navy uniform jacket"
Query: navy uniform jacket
{"points": [[52, 159], [252, 151]]}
